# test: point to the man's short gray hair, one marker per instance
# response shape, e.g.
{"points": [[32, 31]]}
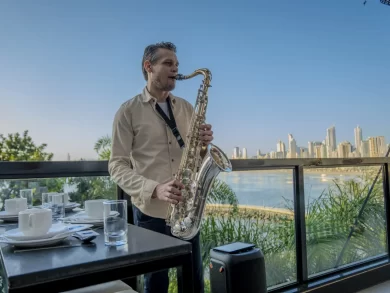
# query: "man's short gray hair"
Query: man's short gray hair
{"points": [[150, 54]]}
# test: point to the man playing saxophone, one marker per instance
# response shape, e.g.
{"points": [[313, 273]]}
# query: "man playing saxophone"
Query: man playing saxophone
{"points": [[148, 134]]}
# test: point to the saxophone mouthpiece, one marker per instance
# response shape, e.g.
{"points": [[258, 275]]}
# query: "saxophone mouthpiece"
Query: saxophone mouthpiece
{"points": [[179, 77]]}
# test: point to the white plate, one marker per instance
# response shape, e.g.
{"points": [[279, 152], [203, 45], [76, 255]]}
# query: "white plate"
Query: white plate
{"points": [[34, 243], [47, 241], [16, 234], [4, 214], [72, 206]]}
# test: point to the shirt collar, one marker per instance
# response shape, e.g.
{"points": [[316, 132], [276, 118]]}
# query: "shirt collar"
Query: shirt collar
{"points": [[148, 98]]}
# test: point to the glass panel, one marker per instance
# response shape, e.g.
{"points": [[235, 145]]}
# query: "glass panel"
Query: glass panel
{"points": [[79, 189], [254, 207], [334, 199]]}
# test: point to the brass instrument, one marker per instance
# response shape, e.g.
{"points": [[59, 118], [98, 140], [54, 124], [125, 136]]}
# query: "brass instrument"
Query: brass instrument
{"points": [[197, 175]]}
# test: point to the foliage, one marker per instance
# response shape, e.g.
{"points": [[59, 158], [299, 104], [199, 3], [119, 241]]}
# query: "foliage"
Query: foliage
{"points": [[88, 188], [103, 147], [331, 217], [16, 147]]}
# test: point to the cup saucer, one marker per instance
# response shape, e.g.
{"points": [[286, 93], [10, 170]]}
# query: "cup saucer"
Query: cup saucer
{"points": [[8, 214], [16, 234]]}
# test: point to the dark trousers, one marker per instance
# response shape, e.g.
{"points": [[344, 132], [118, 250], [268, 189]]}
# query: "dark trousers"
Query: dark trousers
{"points": [[158, 282]]}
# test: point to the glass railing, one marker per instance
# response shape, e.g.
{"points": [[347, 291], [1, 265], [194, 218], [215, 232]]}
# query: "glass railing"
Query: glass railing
{"points": [[312, 219]]}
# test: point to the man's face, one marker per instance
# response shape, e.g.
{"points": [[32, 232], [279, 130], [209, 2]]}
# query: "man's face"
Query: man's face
{"points": [[163, 71]]}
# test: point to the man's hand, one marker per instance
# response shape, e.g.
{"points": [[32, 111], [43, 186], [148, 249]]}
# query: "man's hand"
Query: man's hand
{"points": [[206, 134], [169, 191]]}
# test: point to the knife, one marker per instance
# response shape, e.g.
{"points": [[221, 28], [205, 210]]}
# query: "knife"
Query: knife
{"points": [[53, 247]]}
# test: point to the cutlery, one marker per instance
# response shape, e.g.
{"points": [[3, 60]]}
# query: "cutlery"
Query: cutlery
{"points": [[54, 247]]}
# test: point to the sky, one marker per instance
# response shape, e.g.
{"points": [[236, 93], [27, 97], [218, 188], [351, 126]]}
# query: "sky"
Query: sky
{"points": [[278, 67]]}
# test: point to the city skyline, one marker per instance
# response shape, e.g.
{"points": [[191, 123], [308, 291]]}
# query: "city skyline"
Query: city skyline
{"points": [[360, 147]]}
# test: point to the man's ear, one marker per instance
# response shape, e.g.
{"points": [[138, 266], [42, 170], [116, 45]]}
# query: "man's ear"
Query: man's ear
{"points": [[148, 66]]}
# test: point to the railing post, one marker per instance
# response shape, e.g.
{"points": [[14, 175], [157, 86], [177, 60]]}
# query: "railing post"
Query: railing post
{"points": [[300, 225], [386, 194]]}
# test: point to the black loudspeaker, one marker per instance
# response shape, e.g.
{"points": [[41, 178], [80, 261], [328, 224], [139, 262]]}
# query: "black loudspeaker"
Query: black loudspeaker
{"points": [[237, 268]]}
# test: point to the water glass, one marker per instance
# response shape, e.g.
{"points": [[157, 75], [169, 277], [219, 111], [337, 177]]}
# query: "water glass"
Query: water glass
{"points": [[57, 205], [47, 198], [115, 222], [28, 194]]}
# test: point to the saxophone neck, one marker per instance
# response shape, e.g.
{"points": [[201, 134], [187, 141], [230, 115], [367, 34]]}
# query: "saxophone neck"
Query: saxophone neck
{"points": [[203, 71]]}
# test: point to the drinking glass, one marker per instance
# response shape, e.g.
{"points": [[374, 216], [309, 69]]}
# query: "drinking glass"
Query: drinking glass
{"points": [[115, 222], [47, 198], [28, 194], [57, 205]]}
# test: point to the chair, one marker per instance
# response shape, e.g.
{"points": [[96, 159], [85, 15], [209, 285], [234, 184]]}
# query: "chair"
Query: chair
{"points": [[109, 287]]}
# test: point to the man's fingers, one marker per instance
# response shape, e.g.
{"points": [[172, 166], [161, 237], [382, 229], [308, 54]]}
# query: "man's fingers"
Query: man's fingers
{"points": [[205, 126], [171, 200], [207, 138], [178, 184], [170, 197], [174, 190], [206, 132]]}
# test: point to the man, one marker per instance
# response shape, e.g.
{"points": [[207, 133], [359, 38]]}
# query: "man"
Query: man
{"points": [[146, 152]]}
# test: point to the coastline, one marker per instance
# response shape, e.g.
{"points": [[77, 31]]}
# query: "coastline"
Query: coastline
{"points": [[264, 209], [327, 171]]}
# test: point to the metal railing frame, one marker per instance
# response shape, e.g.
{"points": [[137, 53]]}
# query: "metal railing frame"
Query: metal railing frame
{"points": [[374, 268]]}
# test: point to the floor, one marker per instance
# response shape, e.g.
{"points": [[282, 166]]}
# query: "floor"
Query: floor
{"points": [[381, 288]]}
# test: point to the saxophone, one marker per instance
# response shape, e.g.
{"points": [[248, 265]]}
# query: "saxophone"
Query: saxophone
{"points": [[197, 175]]}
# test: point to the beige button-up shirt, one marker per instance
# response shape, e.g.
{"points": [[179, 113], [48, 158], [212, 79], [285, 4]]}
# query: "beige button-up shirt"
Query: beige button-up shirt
{"points": [[144, 151]]}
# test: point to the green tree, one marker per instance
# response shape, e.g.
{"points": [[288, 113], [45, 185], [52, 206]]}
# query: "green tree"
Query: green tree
{"points": [[103, 147], [16, 147]]}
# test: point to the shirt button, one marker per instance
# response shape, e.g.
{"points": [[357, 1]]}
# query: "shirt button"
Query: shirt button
{"points": [[170, 143], [172, 160]]}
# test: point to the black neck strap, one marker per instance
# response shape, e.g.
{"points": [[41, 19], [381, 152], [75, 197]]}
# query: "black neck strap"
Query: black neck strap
{"points": [[171, 122]]}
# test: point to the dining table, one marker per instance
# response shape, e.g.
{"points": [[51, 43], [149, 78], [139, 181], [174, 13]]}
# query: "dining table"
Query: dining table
{"points": [[74, 264]]}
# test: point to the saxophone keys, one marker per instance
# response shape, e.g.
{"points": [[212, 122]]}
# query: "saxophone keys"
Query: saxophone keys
{"points": [[186, 181], [187, 173], [188, 222]]}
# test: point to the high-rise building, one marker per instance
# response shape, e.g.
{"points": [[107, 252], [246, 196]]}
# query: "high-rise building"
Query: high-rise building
{"points": [[377, 146], [244, 154], [358, 139], [324, 150], [344, 149], [303, 153], [292, 147], [281, 148], [311, 149], [331, 138], [365, 149], [236, 153]]}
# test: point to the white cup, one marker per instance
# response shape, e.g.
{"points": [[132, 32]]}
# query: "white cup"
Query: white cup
{"points": [[94, 208], [35, 222], [15, 205]]}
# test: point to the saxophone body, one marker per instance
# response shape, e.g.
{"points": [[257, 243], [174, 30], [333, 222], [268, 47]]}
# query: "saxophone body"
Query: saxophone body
{"points": [[197, 175]]}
